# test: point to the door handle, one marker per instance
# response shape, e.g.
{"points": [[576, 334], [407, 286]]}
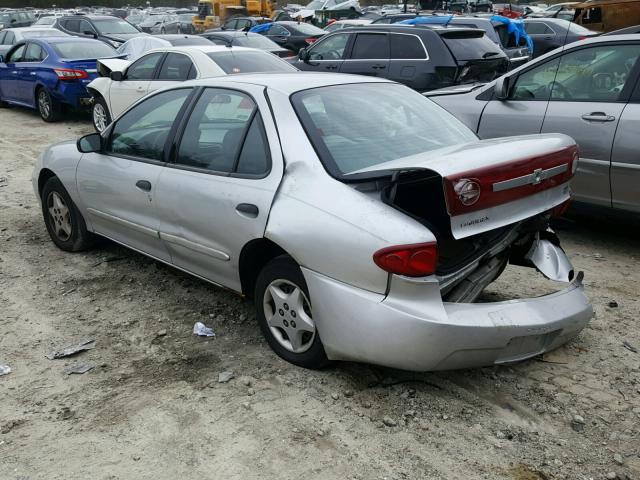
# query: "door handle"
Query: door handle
{"points": [[144, 185], [140, 89], [331, 67], [248, 209], [598, 117], [379, 67]]}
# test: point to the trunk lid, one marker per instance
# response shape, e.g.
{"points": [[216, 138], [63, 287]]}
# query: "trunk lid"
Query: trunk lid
{"points": [[493, 183]]}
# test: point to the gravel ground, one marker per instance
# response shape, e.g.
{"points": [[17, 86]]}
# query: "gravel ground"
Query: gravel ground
{"points": [[153, 408]]}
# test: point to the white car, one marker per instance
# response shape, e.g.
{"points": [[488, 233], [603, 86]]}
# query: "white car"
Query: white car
{"points": [[310, 10], [123, 83]]}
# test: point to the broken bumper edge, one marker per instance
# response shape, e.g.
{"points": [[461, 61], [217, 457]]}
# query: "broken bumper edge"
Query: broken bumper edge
{"points": [[412, 329]]}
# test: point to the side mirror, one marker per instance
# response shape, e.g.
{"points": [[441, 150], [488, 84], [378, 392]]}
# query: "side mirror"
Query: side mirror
{"points": [[116, 76], [501, 88], [90, 143], [90, 34], [303, 55]]}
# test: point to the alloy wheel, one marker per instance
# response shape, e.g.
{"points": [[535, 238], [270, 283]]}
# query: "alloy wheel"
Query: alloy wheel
{"points": [[44, 104], [288, 314], [60, 216], [99, 117]]}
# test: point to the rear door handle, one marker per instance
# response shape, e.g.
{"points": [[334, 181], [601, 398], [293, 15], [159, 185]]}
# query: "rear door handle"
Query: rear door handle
{"points": [[248, 209], [331, 67], [144, 185], [598, 117], [379, 67]]}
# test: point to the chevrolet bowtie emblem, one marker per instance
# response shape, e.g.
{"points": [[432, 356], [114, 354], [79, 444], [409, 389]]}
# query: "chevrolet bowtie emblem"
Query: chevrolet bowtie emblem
{"points": [[537, 176]]}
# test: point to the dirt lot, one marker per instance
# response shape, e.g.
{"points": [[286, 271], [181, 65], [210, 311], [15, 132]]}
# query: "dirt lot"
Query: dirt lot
{"points": [[152, 408]]}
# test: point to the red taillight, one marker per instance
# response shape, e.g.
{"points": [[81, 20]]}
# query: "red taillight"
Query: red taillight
{"points": [[310, 40], [415, 260], [70, 74], [487, 187]]}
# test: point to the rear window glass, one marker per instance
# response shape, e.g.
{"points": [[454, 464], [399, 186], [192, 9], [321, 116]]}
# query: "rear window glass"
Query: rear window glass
{"points": [[248, 62], [579, 29], [306, 29], [468, 46], [406, 47], [83, 50], [350, 132], [371, 46]]}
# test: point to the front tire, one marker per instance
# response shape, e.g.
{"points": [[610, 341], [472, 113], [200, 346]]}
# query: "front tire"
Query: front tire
{"points": [[100, 115], [48, 108], [63, 220], [285, 316]]}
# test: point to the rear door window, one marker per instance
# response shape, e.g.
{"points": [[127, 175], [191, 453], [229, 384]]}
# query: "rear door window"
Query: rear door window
{"points": [[405, 47], [144, 68], [34, 53], [537, 28], [73, 25], [176, 67], [371, 46]]}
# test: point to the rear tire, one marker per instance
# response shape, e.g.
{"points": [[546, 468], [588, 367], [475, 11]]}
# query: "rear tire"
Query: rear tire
{"points": [[100, 114], [284, 314], [63, 220], [48, 108]]}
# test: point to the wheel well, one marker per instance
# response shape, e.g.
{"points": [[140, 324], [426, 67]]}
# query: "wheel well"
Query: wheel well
{"points": [[45, 175], [254, 256], [94, 92]]}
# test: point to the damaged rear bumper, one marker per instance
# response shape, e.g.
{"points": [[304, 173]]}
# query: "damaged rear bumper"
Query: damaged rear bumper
{"points": [[413, 329]]}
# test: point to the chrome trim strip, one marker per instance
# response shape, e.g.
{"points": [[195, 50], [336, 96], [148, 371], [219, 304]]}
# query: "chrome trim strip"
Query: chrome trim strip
{"points": [[125, 223], [196, 247], [530, 179]]}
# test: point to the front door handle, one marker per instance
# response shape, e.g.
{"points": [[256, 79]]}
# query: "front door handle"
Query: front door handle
{"points": [[140, 89], [248, 209], [598, 117], [379, 67], [144, 185], [331, 67]]}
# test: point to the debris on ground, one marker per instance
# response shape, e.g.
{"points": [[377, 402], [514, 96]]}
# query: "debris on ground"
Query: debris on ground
{"points": [[5, 370], [79, 368], [72, 349], [629, 347], [613, 304], [224, 377], [202, 330], [10, 425]]}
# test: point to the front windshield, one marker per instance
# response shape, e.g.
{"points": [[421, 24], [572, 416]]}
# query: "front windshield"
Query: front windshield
{"points": [[114, 26], [350, 132], [83, 50], [315, 5], [46, 21], [255, 41]]}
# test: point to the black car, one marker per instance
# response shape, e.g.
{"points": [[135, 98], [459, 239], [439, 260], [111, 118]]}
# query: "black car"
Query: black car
{"points": [[111, 30], [231, 38], [293, 35], [10, 19], [550, 33], [625, 31], [399, 53]]}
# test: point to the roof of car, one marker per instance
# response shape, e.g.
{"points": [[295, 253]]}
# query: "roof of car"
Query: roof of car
{"points": [[92, 17], [205, 49], [231, 33], [37, 29], [66, 39], [289, 83]]}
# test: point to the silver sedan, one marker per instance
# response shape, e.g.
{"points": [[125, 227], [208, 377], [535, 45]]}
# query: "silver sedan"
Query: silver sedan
{"points": [[362, 230], [589, 90]]}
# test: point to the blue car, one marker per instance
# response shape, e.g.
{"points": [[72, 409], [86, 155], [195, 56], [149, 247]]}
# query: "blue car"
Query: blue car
{"points": [[50, 73]]}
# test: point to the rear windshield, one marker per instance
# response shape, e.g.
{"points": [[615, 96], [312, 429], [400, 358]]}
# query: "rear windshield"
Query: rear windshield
{"points": [[306, 29], [255, 41], [114, 26], [350, 132], [83, 50], [250, 62], [185, 41], [579, 29], [471, 45]]}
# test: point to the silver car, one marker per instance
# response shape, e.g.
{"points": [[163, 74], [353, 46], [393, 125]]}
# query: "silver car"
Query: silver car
{"points": [[363, 230], [588, 90]]}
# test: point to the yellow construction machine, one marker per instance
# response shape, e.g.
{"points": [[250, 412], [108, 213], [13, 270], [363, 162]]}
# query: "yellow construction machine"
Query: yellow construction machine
{"points": [[213, 13]]}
